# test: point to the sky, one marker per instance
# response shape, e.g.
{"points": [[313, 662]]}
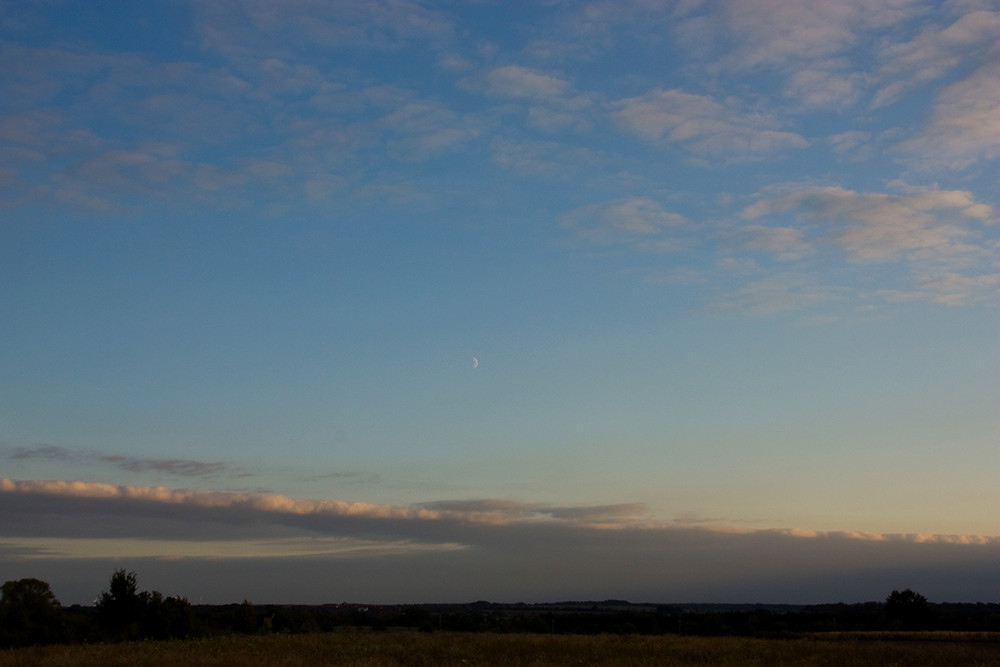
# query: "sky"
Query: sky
{"points": [[401, 301]]}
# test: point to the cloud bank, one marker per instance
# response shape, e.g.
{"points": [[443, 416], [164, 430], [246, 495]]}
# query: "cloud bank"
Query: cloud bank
{"points": [[456, 550]]}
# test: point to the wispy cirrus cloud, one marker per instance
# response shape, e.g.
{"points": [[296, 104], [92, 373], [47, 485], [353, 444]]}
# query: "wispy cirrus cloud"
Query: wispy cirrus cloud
{"points": [[784, 243], [778, 33], [519, 81], [950, 289], [817, 50], [176, 467], [421, 128], [850, 141], [201, 118], [639, 223], [937, 241], [934, 52], [701, 125], [941, 238], [824, 53], [779, 293], [825, 86], [234, 28], [964, 129], [875, 226], [548, 100]]}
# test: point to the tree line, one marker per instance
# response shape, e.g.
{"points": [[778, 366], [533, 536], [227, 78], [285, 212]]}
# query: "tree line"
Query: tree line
{"points": [[30, 614]]}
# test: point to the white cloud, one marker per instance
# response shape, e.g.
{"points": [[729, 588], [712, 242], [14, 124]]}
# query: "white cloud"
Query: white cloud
{"points": [[850, 140], [955, 289], [825, 87], [949, 289], [640, 223], [937, 235], [593, 25], [235, 28], [785, 243], [933, 53], [778, 293], [965, 126], [517, 81], [825, 49], [282, 127], [783, 32], [703, 126], [880, 226], [423, 128]]}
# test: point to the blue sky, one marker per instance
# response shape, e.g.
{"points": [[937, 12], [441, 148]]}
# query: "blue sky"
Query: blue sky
{"points": [[397, 287]]}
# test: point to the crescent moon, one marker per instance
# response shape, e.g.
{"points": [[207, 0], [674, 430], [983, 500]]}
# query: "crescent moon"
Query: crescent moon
{"points": [[475, 362]]}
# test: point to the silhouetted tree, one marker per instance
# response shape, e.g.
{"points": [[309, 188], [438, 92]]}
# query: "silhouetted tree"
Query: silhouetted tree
{"points": [[907, 610], [126, 613], [164, 618], [245, 618], [179, 617], [119, 607], [29, 614]]}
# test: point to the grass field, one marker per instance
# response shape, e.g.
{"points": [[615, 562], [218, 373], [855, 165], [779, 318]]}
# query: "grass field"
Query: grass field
{"points": [[444, 648]]}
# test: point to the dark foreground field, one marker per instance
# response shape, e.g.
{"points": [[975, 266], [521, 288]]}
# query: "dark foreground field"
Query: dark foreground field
{"points": [[445, 648]]}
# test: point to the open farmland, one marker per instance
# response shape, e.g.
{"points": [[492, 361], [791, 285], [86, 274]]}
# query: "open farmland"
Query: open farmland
{"points": [[375, 649]]}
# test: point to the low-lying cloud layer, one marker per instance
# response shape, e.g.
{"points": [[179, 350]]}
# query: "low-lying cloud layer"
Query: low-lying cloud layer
{"points": [[498, 549]]}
